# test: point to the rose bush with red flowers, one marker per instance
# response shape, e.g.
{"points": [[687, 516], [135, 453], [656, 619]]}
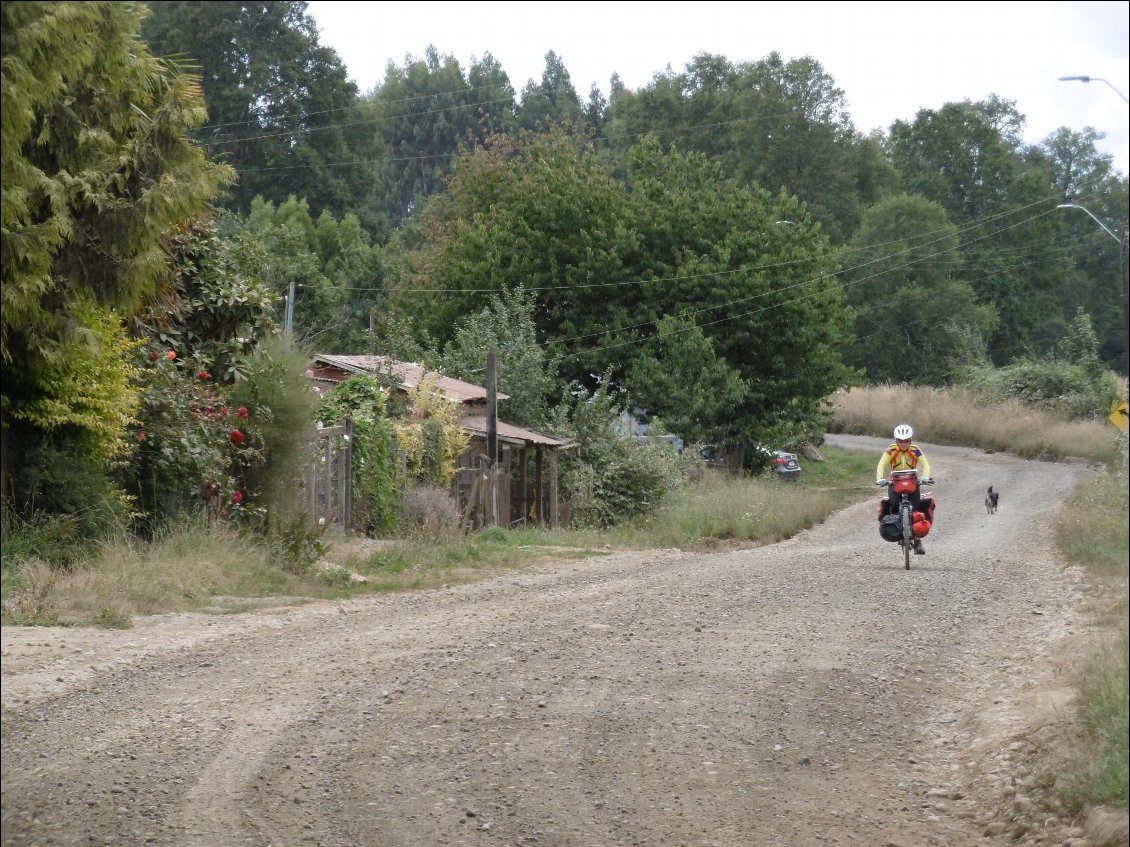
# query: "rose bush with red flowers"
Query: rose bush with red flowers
{"points": [[188, 451]]}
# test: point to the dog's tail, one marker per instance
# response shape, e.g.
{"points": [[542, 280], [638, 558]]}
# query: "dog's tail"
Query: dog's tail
{"points": [[990, 491]]}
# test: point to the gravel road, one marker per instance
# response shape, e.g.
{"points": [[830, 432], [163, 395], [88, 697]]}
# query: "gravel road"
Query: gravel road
{"points": [[812, 692]]}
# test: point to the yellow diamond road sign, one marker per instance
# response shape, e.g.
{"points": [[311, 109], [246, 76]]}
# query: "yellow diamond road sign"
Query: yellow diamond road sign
{"points": [[1119, 417]]}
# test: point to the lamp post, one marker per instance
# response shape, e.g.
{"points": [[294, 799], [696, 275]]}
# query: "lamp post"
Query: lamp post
{"points": [[1092, 79], [1122, 265], [1096, 220]]}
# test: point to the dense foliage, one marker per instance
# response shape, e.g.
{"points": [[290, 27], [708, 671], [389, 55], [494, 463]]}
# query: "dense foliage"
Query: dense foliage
{"points": [[376, 478], [97, 173], [719, 249], [608, 479]]}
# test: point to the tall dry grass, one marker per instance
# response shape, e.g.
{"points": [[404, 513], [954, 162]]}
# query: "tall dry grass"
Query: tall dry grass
{"points": [[954, 417], [182, 569]]}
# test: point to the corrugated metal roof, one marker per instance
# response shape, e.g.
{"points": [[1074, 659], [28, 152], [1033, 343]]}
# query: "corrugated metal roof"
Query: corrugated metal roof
{"points": [[409, 373], [477, 425]]}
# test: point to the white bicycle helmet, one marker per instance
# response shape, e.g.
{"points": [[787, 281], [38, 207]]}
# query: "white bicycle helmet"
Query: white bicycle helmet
{"points": [[903, 431]]}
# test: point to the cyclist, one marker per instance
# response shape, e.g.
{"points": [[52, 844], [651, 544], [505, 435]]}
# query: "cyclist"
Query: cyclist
{"points": [[904, 454]]}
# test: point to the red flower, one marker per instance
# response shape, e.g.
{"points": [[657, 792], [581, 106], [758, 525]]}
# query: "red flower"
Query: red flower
{"points": [[223, 411], [242, 412], [154, 355], [203, 374], [141, 435], [237, 497], [236, 437], [171, 355]]}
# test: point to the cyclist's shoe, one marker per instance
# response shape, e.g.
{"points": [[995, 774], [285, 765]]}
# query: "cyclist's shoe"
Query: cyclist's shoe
{"points": [[918, 548]]}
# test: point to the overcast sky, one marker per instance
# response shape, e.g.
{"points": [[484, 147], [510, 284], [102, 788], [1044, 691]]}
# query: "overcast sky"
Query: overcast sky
{"points": [[889, 59]]}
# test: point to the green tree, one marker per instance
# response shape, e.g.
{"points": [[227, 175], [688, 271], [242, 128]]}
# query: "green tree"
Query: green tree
{"points": [[551, 101], [1092, 260], [526, 372], [1078, 168], [900, 281], [427, 112], [97, 173], [755, 273], [967, 157], [685, 383], [779, 125], [335, 273], [535, 212], [281, 107], [607, 261]]}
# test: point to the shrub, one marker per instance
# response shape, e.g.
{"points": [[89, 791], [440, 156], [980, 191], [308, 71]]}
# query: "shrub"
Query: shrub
{"points": [[66, 482], [431, 512], [195, 448], [284, 406], [611, 479], [430, 436], [47, 536], [1069, 390]]}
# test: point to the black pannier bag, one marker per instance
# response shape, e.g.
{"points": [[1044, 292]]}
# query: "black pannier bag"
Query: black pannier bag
{"points": [[890, 528]]}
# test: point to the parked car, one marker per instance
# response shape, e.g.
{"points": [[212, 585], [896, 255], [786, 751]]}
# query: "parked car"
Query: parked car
{"points": [[786, 465], [712, 456], [783, 464]]}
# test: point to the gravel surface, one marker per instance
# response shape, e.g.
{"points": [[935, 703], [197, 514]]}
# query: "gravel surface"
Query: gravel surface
{"points": [[811, 692]]}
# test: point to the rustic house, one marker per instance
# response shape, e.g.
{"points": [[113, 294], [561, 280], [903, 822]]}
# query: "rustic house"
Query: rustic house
{"points": [[521, 487]]}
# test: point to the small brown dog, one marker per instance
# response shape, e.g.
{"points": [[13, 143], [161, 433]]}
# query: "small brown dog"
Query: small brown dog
{"points": [[991, 499]]}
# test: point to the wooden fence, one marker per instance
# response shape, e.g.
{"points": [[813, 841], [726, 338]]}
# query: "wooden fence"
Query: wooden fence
{"points": [[486, 496]]}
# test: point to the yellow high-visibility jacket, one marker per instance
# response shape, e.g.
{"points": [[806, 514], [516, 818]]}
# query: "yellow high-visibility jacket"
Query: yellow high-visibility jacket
{"points": [[895, 458]]}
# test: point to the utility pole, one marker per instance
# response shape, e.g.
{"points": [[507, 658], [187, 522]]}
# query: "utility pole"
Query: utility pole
{"points": [[492, 410]]}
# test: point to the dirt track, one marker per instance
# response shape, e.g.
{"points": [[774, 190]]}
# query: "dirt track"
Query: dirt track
{"points": [[809, 693]]}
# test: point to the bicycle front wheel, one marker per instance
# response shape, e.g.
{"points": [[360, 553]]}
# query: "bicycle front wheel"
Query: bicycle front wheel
{"points": [[906, 521]]}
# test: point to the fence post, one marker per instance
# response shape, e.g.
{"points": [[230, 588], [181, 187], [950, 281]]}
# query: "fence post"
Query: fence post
{"points": [[346, 475]]}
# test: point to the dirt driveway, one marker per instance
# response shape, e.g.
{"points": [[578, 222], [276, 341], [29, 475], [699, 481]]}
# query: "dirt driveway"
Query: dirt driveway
{"points": [[809, 693]]}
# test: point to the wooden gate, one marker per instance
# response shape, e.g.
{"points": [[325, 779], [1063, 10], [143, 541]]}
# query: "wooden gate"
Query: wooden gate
{"points": [[327, 485], [483, 492]]}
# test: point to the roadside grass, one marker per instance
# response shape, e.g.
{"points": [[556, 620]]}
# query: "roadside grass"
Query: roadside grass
{"points": [[1092, 531], [722, 509], [192, 564], [183, 569]]}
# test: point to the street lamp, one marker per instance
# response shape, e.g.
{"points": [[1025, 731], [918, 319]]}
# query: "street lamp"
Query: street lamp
{"points": [[1092, 79], [1124, 269], [1096, 220]]}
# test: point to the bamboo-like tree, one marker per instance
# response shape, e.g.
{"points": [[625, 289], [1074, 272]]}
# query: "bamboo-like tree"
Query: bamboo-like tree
{"points": [[97, 171]]}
